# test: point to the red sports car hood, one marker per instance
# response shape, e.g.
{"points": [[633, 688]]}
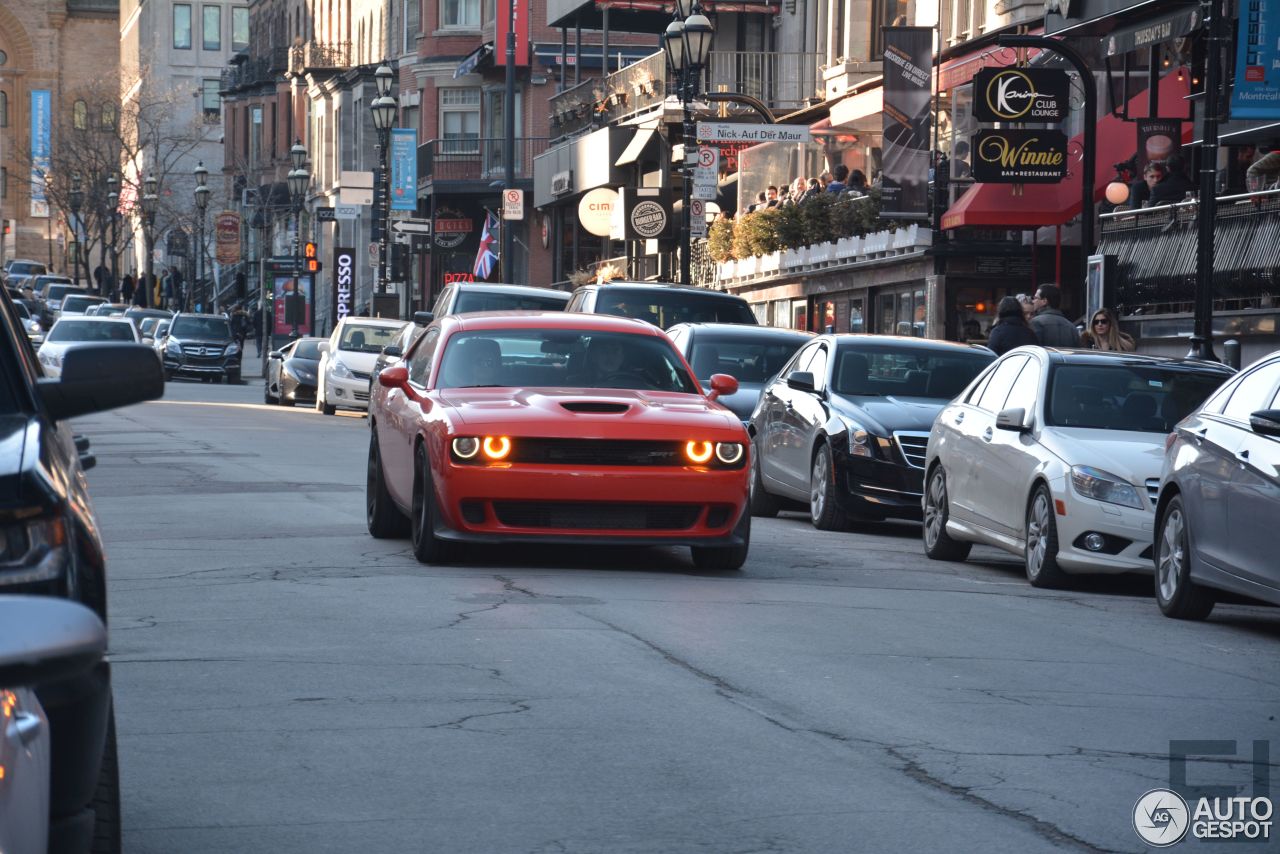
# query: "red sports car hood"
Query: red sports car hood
{"points": [[591, 413]]}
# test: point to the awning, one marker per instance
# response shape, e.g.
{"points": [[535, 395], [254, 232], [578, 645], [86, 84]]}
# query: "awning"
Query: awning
{"points": [[1161, 28], [995, 205], [473, 60], [636, 149]]}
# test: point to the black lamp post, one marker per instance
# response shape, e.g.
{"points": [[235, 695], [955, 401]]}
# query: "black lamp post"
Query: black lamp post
{"points": [[76, 198], [202, 204], [384, 116], [298, 179], [687, 43], [113, 212], [149, 200]]}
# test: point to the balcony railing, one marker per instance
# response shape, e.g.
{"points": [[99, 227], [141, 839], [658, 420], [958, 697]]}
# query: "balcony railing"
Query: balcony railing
{"points": [[1155, 251], [315, 56], [476, 159], [783, 81], [255, 69]]}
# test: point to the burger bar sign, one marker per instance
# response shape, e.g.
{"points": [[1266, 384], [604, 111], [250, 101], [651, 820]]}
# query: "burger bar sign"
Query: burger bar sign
{"points": [[646, 214]]}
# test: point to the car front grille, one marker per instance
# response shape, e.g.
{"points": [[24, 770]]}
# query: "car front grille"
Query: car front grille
{"points": [[597, 516], [360, 395], [598, 452], [912, 446], [361, 375], [1153, 490], [203, 350]]}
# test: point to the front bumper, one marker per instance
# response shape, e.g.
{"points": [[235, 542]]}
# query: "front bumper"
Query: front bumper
{"points": [[876, 487], [613, 505], [195, 366], [346, 392], [1129, 534]]}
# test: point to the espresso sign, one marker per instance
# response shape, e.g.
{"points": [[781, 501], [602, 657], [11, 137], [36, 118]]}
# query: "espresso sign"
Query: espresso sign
{"points": [[1021, 95], [1019, 156], [344, 271]]}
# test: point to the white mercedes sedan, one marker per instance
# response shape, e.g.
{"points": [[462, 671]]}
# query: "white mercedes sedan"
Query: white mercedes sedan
{"points": [[1055, 455]]}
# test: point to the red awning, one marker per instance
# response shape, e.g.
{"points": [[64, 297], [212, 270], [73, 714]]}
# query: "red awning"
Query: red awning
{"points": [[956, 72], [995, 205]]}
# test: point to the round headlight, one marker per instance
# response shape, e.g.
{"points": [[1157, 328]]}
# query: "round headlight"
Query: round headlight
{"points": [[466, 447], [496, 447], [699, 452], [728, 452]]}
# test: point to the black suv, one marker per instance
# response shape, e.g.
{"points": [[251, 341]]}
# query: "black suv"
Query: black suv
{"points": [[201, 345], [50, 546], [662, 305]]}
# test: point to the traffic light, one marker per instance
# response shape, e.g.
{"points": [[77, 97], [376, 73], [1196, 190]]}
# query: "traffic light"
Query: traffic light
{"points": [[313, 264]]}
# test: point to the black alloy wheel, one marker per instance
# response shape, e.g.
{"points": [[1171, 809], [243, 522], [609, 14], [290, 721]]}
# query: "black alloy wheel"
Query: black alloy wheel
{"points": [[383, 518], [427, 548]]}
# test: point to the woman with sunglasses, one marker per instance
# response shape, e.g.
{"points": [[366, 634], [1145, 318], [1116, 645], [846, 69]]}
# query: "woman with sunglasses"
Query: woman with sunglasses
{"points": [[1104, 334]]}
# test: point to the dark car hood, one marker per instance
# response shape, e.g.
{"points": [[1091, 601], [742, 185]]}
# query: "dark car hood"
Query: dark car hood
{"points": [[205, 342], [311, 365], [743, 402], [885, 415]]}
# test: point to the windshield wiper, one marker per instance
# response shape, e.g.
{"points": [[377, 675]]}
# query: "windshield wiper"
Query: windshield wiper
{"points": [[482, 385]]}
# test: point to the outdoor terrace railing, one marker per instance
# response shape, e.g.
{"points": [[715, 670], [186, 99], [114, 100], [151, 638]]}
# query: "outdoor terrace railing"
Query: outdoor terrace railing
{"points": [[476, 159], [317, 55]]}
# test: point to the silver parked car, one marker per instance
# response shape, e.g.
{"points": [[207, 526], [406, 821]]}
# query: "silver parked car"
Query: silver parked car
{"points": [[1220, 498]]}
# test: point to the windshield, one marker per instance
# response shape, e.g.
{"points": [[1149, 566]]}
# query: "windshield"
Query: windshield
{"points": [[562, 358], [200, 327], [78, 303], [1136, 398], [665, 309], [20, 268], [57, 292], [90, 330], [359, 338], [469, 301], [906, 371], [22, 310], [307, 350], [755, 361]]}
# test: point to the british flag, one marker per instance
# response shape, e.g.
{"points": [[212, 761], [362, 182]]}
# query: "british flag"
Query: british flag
{"points": [[485, 256]]}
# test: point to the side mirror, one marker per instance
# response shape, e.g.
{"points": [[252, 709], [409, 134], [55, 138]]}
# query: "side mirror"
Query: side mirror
{"points": [[97, 377], [800, 381], [323, 346], [1266, 422], [275, 354], [722, 385], [394, 377], [422, 318], [393, 351], [1013, 419], [47, 639]]}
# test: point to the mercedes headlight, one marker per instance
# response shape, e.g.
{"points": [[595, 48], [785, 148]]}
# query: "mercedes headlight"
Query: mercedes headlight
{"points": [[1104, 486], [341, 371], [859, 440], [232, 349], [173, 348]]}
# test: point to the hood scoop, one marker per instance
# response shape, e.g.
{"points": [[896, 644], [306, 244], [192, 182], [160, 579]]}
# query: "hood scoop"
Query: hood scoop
{"points": [[596, 407]]}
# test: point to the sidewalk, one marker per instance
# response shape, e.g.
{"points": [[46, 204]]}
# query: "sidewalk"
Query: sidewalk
{"points": [[250, 363]]}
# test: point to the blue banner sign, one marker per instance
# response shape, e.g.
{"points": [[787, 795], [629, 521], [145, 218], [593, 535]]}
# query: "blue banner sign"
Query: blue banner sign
{"points": [[1257, 89], [404, 169], [41, 143]]}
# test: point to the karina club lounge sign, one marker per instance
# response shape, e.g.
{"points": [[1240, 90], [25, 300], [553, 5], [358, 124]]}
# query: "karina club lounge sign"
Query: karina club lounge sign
{"points": [[1021, 95], [1017, 156]]}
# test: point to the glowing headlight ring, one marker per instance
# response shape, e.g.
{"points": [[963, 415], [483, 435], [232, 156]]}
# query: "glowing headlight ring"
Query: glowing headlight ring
{"points": [[699, 452], [497, 447]]}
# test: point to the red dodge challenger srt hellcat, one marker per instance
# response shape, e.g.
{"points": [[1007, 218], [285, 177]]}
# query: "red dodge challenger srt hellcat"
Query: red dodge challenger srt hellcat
{"points": [[556, 428]]}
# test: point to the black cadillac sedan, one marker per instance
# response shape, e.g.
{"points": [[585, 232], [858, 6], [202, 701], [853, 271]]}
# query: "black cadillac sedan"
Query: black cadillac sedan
{"points": [[291, 373], [843, 427], [752, 355]]}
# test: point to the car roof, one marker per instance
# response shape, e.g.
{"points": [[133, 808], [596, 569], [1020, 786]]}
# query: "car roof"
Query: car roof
{"points": [[1061, 356], [742, 330], [498, 288], [92, 318], [550, 320], [373, 321], [909, 341], [197, 314], [663, 286]]}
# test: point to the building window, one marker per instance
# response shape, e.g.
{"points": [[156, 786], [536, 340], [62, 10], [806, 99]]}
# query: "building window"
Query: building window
{"points": [[460, 13], [212, 29], [4, 183], [80, 115], [210, 100], [888, 13], [4, 109], [488, 11], [412, 24], [460, 120], [107, 116], [239, 28], [182, 26]]}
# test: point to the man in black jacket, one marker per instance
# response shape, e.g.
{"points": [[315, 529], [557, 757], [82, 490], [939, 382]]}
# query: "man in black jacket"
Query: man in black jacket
{"points": [[1175, 185], [1051, 326]]}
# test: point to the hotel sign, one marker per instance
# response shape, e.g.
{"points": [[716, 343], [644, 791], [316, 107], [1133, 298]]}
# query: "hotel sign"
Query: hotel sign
{"points": [[1019, 156]]}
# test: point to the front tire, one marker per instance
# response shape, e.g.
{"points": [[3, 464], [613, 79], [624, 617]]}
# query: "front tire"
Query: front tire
{"points": [[1041, 552], [763, 504], [938, 544], [383, 518], [1177, 595], [106, 796], [726, 558], [427, 548], [823, 510]]}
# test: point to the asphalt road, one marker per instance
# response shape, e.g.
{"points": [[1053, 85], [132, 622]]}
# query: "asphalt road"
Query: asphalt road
{"points": [[285, 683]]}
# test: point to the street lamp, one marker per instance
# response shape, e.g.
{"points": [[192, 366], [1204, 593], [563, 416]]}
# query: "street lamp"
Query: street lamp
{"points": [[298, 180], [113, 211], [384, 116], [149, 200], [77, 199], [202, 204], [687, 44]]}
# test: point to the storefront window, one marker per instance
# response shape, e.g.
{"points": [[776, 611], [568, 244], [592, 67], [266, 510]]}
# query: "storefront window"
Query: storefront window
{"points": [[975, 312], [798, 314], [856, 323]]}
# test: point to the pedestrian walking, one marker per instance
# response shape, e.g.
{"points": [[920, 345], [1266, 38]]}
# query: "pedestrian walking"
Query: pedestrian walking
{"points": [[1011, 328], [255, 320], [126, 289], [1051, 326], [1104, 334]]}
